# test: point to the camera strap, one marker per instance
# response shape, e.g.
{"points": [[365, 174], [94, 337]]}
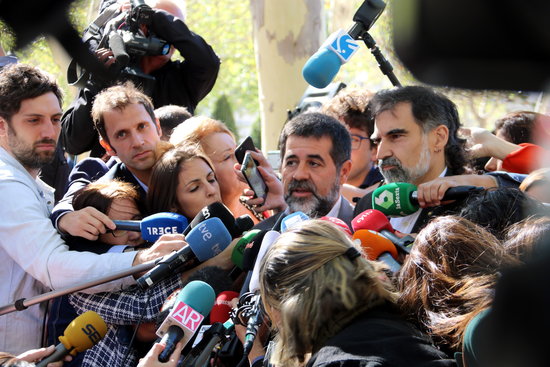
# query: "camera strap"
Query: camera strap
{"points": [[75, 74]]}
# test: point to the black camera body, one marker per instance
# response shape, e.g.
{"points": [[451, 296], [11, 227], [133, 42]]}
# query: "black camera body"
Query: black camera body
{"points": [[122, 34]]}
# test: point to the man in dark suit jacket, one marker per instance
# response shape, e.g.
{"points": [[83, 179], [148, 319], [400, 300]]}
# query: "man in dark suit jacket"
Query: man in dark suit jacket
{"points": [[417, 142], [129, 130], [315, 163]]}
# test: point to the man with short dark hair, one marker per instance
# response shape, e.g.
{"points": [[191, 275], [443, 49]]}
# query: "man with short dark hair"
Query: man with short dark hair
{"points": [[34, 257], [315, 162], [416, 133]]}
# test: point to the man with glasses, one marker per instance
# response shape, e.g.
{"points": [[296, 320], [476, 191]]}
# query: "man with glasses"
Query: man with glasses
{"points": [[349, 107]]}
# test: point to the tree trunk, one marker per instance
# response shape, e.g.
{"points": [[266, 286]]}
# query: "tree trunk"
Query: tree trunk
{"points": [[286, 33]]}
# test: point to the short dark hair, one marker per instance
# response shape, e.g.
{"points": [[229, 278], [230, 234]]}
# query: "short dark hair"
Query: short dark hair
{"points": [[19, 82], [118, 97], [317, 125], [350, 107], [171, 116], [516, 127], [430, 109]]}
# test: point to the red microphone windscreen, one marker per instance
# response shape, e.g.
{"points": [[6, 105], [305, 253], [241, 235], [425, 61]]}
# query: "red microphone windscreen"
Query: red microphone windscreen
{"points": [[222, 306], [372, 219], [374, 244], [339, 222]]}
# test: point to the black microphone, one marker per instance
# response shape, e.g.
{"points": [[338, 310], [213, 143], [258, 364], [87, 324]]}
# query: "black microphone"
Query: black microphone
{"points": [[206, 240], [217, 210], [254, 321]]}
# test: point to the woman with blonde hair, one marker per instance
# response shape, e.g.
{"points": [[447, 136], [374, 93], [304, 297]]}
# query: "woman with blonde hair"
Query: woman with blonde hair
{"points": [[218, 143], [327, 301]]}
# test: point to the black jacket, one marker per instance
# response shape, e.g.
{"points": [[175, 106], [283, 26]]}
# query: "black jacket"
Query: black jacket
{"points": [[379, 337], [182, 83]]}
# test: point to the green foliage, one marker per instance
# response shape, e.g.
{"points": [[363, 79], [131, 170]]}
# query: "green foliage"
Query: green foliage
{"points": [[256, 132], [224, 113]]}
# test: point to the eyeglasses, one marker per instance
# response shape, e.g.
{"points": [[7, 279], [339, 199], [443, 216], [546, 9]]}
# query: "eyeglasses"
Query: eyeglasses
{"points": [[356, 141]]}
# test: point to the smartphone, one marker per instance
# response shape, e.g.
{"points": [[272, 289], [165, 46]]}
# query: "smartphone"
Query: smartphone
{"points": [[253, 176], [246, 144]]}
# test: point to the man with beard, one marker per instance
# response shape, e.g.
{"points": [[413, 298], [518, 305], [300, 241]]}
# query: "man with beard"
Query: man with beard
{"points": [[416, 135], [34, 257], [315, 163]]}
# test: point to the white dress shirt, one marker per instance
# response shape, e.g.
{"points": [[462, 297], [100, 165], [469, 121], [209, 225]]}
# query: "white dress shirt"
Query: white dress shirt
{"points": [[35, 259]]}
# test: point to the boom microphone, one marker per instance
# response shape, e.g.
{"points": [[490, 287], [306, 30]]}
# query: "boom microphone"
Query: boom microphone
{"points": [[154, 226], [322, 67], [378, 247], [217, 210], [82, 333], [206, 240], [399, 199], [376, 221], [192, 305]]}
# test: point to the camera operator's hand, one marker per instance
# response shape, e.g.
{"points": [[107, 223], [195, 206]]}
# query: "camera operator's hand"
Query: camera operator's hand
{"points": [[106, 56]]}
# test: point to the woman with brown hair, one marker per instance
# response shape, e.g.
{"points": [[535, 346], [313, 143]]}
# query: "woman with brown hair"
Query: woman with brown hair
{"points": [[449, 277], [182, 181], [218, 143]]}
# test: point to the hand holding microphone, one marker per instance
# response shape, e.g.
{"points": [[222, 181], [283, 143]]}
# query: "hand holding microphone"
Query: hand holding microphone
{"points": [[401, 198], [191, 306], [82, 333]]}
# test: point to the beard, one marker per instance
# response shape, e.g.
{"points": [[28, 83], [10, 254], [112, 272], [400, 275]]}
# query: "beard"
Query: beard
{"points": [[402, 174], [314, 206], [27, 155]]}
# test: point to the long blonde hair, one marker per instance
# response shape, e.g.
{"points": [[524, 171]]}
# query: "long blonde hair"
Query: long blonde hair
{"points": [[309, 278]]}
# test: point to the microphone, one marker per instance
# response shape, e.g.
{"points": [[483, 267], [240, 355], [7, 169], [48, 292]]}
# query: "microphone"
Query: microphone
{"points": [[322, 67], [237, 256], [217, 210], [206, 240], [190, 308], [339, 223], [378, 247], [376, 221], [83, 332], [254, 321], [292, 219], [222, 307], [399, 199], [154, 226]]}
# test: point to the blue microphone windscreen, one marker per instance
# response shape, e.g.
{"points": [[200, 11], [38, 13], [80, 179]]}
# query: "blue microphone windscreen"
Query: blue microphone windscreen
{"points": [[154, 226], [208, 239], [321, 68], [199, 296], [292, 219]]}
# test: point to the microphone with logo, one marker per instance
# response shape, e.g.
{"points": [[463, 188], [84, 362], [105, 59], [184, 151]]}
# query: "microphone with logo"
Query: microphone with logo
{"points": [[376, 221], [400, 199], [191, 306], [206, 240], [218, 210], [378, 247], [154, 226], [82, 333], [322, 67]]}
